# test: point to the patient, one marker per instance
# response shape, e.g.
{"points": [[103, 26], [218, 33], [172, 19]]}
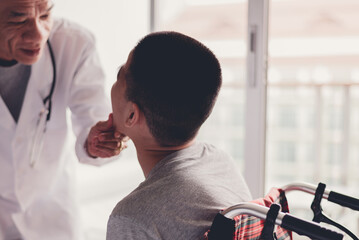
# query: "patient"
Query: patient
{"points": [[163, 94]]}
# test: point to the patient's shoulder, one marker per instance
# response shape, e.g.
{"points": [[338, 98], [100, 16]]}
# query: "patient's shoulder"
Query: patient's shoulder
{"points": [[120, 227], [138, 202]]}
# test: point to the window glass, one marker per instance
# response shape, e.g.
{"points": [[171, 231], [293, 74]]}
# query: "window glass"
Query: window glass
{"points": [[312, 121]]}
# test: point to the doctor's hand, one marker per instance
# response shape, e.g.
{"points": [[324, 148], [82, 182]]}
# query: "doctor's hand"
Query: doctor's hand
{"points": [[103, 141]]}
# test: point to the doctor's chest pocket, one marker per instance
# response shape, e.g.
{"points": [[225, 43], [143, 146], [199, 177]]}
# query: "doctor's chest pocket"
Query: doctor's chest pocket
{"points": [[48, 139], [56, 130], [52, 149]]}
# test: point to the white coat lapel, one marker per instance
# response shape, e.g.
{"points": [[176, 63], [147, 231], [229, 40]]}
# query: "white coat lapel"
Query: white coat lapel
{"points": [[7, 121]]}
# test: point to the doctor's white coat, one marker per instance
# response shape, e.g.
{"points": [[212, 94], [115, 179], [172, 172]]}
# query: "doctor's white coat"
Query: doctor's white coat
{"points": [[38, 202]]}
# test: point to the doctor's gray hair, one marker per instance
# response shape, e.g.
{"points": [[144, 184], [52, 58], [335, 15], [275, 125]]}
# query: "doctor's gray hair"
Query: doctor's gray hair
{"points": [[175, 80]]}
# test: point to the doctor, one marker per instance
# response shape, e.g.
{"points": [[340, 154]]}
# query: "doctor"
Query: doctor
{"points": [[46, 67]]}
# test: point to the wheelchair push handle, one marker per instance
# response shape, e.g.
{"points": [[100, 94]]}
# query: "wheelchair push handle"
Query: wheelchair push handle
{"points": [[332, 196], [310, 229], [344, 200]]}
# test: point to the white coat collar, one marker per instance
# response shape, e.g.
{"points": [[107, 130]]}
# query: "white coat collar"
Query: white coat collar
{"points": [[37, 89]]}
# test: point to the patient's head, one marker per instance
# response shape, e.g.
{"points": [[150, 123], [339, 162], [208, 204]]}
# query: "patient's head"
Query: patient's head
{"points": [[174, 80]]}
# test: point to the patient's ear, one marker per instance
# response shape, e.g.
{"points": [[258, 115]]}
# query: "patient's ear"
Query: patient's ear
{"points": [[133, 115]]}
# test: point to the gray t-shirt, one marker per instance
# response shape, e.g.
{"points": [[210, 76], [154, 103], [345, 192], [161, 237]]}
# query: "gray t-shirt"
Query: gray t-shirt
{"points": [[13, 83], [180, 197]]}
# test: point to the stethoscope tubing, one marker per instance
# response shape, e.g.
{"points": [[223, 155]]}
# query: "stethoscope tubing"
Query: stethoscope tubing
{"points": [[48, 98]]}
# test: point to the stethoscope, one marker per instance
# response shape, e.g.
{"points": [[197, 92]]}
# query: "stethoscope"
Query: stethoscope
{"points": [[44, 115]]}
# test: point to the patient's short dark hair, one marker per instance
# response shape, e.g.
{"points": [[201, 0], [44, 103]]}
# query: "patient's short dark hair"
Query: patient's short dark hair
{"points": [[175, 80]]}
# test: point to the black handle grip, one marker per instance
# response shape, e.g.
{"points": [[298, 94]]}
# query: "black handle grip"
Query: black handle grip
{"points": [[309, 229], [344, 200]]}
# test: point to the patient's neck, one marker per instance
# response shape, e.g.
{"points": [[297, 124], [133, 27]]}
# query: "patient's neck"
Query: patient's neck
{"points": [[152, 153]]}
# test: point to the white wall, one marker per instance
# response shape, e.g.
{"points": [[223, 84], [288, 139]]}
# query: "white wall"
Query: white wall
{"points": [[117, 25]]}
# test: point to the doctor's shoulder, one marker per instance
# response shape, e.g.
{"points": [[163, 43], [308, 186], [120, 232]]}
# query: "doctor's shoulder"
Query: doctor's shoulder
{"points": [[66, 31]]}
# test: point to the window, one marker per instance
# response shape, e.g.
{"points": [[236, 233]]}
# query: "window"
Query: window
{"points": [[312, 97], [286, 152]]}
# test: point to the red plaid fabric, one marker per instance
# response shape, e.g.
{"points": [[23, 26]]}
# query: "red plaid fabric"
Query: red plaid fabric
{"points": [[250, 227]]}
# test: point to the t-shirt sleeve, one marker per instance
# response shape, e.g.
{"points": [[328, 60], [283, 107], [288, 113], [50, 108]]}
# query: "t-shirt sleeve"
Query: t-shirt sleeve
{"points": [[123, 228]]}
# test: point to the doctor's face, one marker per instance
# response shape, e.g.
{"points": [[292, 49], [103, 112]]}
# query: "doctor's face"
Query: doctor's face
{"points": [[25, 26]]}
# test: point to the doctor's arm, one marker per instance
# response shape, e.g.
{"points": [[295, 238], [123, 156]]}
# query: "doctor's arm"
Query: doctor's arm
{"points": [[96, 142]]}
